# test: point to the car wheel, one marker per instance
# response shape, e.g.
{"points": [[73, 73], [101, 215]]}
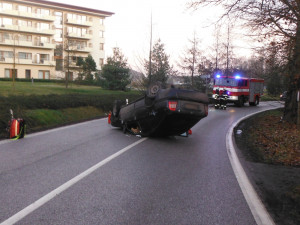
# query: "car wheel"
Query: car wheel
{"points": [[117, 107], [124, 128], [256, 101], [241, 101], [153, 89]]}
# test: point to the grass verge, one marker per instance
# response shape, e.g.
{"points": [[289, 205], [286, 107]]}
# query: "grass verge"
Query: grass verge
{"points": [[40, 119], [272, 152], [273, 141], [45, 105]]}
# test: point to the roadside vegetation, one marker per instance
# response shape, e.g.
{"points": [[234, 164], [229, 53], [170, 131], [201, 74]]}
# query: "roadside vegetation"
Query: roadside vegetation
{"points": [[45, 105], [272, 140], [272, 147]]}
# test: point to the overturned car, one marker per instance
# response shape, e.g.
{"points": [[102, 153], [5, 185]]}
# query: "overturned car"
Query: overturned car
{"points": [[161, 112]]}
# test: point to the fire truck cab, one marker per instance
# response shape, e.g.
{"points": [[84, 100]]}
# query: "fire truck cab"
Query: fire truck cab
{"points": [[239, 89]]}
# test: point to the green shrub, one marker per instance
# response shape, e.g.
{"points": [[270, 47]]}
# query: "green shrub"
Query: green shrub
{"points": [[21, 104]]}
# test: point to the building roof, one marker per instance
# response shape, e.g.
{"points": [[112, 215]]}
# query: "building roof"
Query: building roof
{"points": [[66, 6]]}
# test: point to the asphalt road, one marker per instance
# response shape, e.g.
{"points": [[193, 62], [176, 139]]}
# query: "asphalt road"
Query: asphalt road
{"points": [[173, 180]]}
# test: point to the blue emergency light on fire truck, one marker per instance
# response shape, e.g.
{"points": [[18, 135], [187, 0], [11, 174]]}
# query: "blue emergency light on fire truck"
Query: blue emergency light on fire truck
{"points": [[239, 89]]}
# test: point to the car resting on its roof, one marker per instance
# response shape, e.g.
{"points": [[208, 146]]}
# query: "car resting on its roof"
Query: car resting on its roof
{"points": [[161, 112]]}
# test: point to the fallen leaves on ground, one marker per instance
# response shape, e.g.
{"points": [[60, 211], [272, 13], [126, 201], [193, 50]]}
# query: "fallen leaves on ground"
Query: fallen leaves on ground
{"points": [[277, 142]]}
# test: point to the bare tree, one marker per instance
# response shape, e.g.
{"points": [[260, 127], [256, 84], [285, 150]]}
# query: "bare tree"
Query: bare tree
{"points": [[279, 19], [191, 58], [71, 59], [217, 45]]}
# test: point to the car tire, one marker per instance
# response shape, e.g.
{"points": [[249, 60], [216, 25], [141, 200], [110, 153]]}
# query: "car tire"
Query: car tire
{"points": [[124, 128], [241, 101], [256, 101], [117, 107], [153, 89]]}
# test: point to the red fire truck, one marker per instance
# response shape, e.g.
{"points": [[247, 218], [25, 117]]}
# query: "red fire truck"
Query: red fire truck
{"points": [[239, 89]]}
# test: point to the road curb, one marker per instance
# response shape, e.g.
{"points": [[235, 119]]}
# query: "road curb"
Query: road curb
{"points": [[258, 210]]}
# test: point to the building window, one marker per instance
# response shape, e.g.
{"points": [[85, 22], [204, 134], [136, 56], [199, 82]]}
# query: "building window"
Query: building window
{"points": [[58, 51], [59, 64], [10, 72], [78, 18], [6, 21], [41, 58], [101, 62], [102, 46], [43, 26], [78, 31], [25, 37], [43, 12], [44, 74], [58, 20], [27, 74], [101, 21], [4, 36], [101, 33], [43, 39], [24, 8], [6, 54], [7, 73], [25, 55], [24, 23], [69, 75], [58, 35], [77, 44], [6, 6]]}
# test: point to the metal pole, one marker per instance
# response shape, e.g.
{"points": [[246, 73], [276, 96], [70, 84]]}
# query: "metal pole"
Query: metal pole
{"points": [[14, 61], [150, 54], [68, 63]]}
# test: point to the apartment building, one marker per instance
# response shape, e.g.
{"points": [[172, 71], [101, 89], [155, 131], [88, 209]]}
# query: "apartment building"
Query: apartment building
{"points": [[43, 39]]}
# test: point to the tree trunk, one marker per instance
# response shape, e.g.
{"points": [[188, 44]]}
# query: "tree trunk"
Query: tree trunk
{"points": [[291, 105]]}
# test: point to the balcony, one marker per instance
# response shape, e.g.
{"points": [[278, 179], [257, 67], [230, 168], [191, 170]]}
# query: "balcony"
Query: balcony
{"points": [[6, 60], [9, 12], [79, 49], [44, 45], [24, 61], [44, 62], [29, 15], [72, 64], [27, 61], [79, 22], [16, 61], [34, 30], [84, 36], [6, 42], [28, 44]]}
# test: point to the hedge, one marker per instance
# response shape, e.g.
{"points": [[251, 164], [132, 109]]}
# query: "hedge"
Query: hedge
{"points": [[19, 104]]}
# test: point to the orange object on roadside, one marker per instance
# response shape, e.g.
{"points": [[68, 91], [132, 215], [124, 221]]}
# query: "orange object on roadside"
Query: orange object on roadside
{"points": [[109, 118], [190, 132], [14, 128]]}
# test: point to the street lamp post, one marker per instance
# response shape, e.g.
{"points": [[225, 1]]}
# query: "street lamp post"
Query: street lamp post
{"points": [[14, 59]]}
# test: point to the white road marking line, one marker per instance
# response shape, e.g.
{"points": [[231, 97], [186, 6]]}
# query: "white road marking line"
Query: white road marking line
{"points": [[43, 200], [55, 129], [258, 210], [63, 128]]}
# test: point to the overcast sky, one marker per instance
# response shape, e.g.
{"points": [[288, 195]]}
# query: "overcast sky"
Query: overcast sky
{"points": [[129, 27]]}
